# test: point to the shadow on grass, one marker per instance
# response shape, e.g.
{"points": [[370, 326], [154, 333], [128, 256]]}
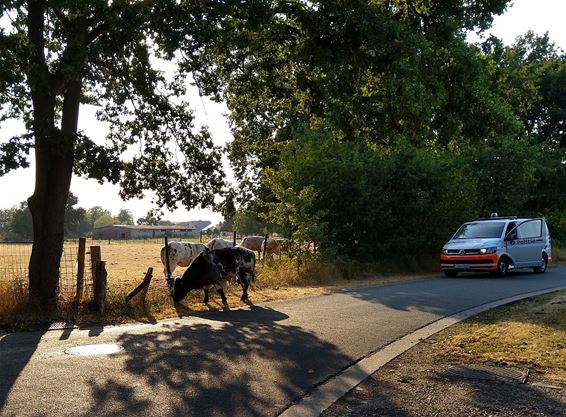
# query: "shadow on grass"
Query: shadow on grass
{"points": [[444, 395], [500, 398]]}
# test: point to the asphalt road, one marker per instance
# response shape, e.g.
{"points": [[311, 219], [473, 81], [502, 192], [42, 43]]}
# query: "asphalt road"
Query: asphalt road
{"points": [[249, 362]]}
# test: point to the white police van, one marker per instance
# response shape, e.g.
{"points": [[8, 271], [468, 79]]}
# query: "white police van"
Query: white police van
{"points": [[498, 244]]}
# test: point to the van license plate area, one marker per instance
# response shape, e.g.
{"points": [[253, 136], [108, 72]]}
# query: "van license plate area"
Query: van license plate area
{"points": [[462, 266]]}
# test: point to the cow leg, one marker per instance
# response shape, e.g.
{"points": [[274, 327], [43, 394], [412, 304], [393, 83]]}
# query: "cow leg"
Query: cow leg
{"points": [[245, 277], [245, 283], [222, 295], [205, 295], [245, 286], [169, 279]]}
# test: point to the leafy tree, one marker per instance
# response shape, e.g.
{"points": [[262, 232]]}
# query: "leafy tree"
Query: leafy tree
{"points": [[21, 226], [375, 71], [531, 76], [96, 212], [247, 223], [151, 218], [104, 220], [546, 196], [228, 206], [226, 226], [74, 217], [5, 216], [504, 175], [124, 217], [56, 55], [357, 202]]}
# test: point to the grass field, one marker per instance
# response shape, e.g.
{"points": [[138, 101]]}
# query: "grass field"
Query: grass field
{"points": [[128, 261]]}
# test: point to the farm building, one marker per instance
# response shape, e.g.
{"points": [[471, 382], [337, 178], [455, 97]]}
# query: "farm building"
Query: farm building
{"points": [[119, 231]]}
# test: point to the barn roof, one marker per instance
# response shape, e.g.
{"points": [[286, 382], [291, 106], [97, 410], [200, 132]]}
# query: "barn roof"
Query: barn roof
{"points": [[145, 227]]}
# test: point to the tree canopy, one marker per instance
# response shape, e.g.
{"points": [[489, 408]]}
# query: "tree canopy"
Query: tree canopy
{"points": [[59, 54], [355, 122]]}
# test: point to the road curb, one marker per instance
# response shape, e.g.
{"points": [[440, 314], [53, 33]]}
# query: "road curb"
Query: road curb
{"points": [[330, 391]]}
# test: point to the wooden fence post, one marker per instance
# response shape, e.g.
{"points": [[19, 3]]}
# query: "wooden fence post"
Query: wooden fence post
{"points": [[95, 257], [99, 276], [234, 239], [143, 286], [167, 266], [100, 281], [80, 269], [264, 247]]}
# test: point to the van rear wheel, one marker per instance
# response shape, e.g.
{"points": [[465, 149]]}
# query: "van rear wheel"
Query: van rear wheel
{"points": [[543, 265]]}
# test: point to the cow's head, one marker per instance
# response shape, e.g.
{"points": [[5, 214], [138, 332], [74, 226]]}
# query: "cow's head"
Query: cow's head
{"points": [[179, 290]]}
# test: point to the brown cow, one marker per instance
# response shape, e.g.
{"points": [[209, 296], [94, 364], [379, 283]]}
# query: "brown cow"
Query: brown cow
{"points": [[256, 243]]}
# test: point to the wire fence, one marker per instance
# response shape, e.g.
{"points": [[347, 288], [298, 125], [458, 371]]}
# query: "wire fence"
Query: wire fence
{"points": [[14, 263]]}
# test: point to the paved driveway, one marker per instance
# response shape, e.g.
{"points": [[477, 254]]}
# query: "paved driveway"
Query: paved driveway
{"points": [[251, 362]]}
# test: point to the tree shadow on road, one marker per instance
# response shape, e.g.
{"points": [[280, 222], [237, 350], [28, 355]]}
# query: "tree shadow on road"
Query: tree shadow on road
{"points": [[245, 364], [16, 349], [446, 296]]}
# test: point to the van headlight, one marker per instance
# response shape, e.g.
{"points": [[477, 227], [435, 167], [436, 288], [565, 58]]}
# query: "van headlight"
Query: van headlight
{"points": [[445, 251], [485, 251]]}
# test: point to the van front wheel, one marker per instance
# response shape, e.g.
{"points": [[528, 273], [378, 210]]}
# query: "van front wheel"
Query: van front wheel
{"points": [[501, 270]]}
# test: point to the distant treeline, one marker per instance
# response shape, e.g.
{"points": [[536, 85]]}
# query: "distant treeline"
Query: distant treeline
{"points": [[16, 222]]}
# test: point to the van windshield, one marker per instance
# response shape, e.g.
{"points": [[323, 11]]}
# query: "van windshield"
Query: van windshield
{"points": [[480, 230]]}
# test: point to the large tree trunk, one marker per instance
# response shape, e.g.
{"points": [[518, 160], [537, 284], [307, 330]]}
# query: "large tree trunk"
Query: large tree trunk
{"points": [[54, 168], [54, 153], [47, 206]]}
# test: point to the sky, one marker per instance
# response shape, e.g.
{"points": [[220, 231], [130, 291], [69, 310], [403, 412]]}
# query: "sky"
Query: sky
{"points": [[539, 16]]}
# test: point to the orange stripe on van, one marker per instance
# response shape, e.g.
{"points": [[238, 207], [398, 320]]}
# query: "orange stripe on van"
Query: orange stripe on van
{"points": [[492, 257]]}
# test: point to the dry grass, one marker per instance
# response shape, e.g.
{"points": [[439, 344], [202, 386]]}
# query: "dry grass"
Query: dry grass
{"points": [[13, 298], [127, 263], [530, 334]]}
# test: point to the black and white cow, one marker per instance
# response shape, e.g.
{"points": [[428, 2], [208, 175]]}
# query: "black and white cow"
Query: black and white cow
{"points": [[216, 269], [180, 254]]}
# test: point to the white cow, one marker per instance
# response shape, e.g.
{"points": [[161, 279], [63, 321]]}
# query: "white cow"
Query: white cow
{"points": [[180, 254], [219, 244]]}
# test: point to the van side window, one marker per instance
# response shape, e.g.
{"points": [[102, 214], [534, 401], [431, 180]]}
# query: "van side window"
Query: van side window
{"points": [[513, 234], [530, 229]]}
